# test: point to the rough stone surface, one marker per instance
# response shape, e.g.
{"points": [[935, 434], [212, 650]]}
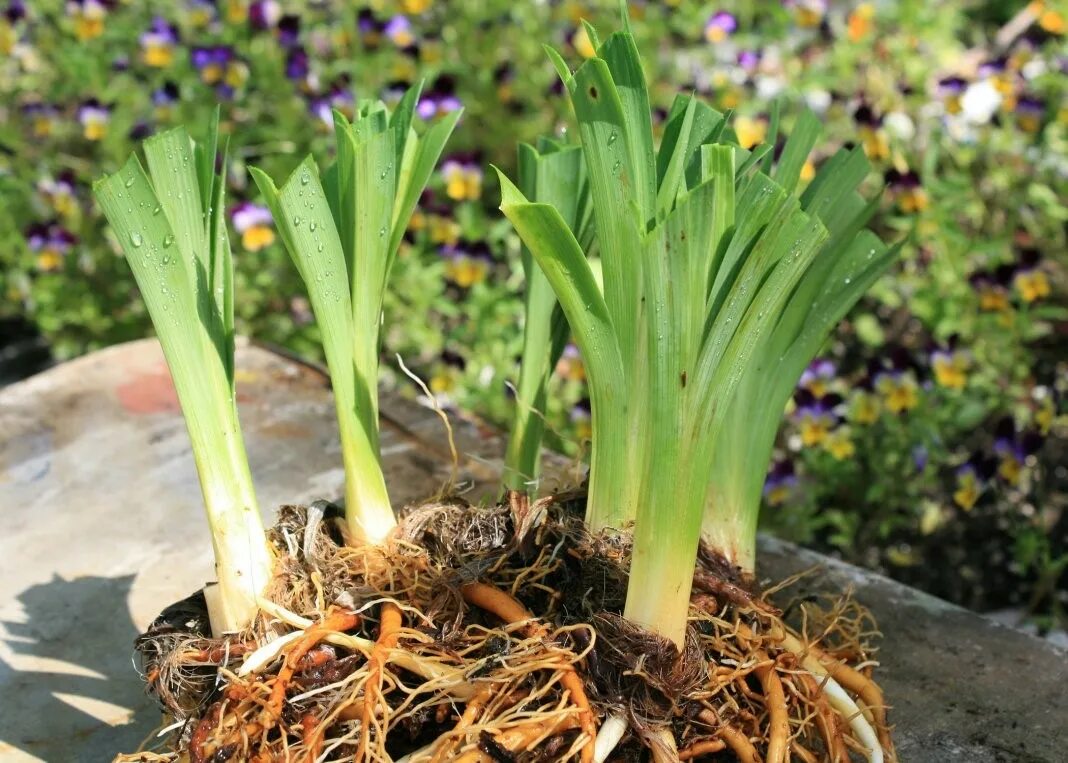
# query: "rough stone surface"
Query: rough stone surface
{"points": [[103, 526]]}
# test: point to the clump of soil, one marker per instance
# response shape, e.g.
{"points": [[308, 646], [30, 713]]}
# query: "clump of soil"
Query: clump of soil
{"points": [[496, 634]]}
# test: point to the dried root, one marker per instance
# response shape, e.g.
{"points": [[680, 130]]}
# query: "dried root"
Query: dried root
{"points": [[494, 635]]}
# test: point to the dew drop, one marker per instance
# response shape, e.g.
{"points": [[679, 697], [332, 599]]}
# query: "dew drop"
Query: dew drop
{"points": [[617, 166], [136, 239], [319, 248], [305, 178], [168, 240], [129, 181], [296, 220], [312, 225], [382, 231], [157, 210], [612, 138], [848, 281]]}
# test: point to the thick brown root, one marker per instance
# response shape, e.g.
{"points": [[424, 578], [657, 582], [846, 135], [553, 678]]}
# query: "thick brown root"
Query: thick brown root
{"points": [[775, 701], [698, 749], [388, 634], [828, 723], [499, 637], [511, 611], [733, 738]]}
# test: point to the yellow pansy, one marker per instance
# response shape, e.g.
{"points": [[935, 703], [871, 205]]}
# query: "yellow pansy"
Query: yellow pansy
{"points": [[814, 428], [465, 271], [443, 230], [89, 23], [8, 38], [859, 23], [257, 237], [463, 181], [236, 74], [777, 495], [443, 382], [570, 365], [160, 56], [1010, 469], [968, 489], [912, 200], [253, 222], [583, 45], [1031, 285], [1051, 20], [750, 131], [1044, 414], [95, 129], [236, 11], [808, 15], [993, 298], [49, 260], [899, 392], [839, 444], [950, 369], [864, 408], [876, 143]]}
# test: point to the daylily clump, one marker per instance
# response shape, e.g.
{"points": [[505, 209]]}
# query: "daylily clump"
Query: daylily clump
{"points": [[970, 147]]}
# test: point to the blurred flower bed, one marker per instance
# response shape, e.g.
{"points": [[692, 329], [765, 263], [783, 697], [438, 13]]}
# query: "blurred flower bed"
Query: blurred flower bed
{"points": [[931, 440]]}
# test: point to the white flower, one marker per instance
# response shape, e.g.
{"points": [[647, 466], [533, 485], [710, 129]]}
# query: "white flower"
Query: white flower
{"points": [[899, 125], [959, 129], [769, 87], [979, 102], [818, 100], [1034, 69]]}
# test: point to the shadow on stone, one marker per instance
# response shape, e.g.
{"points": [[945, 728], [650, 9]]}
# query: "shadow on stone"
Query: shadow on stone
{"points": [[70, 691]]}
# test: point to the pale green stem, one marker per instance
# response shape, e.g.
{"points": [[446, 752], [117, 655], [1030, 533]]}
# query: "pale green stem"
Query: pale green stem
{"points": [[661, 568], [522, 457], [242, 559], [743, 448]]}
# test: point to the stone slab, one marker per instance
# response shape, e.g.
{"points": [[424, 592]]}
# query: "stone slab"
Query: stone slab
{"points": [[103, 525]]}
